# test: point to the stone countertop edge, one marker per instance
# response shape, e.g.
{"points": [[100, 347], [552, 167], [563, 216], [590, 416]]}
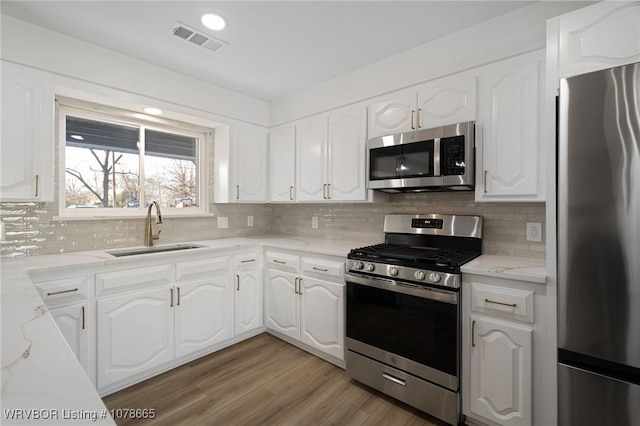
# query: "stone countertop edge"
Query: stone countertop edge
{"points": [[42, 382], [515, 268]]}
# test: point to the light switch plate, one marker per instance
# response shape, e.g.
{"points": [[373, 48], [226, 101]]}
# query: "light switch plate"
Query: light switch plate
{"points": [[249, 220], [223, 222], [314, 222]]}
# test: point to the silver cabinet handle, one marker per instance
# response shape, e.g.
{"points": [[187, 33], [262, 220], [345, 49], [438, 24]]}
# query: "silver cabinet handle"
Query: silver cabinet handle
{"points": [[324, 191], [178, 288], [394, 379], [83, 318], [328, 191], [282, 262], [295, 286], [320, 269], [412, 124], [473, 334], [419, 117], [237, 192], [511, 305], [37, 184], [53, 293], [247, 261], [171, 300], [291, 192], [484, 182], [300, 286], [237, 282]]}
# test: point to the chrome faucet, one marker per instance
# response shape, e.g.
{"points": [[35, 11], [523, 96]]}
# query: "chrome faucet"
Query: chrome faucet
{"points": [[148, 234]]}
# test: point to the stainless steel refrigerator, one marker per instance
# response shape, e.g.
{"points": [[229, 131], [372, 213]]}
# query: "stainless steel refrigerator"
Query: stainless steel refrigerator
{"points": [[599, 248]]}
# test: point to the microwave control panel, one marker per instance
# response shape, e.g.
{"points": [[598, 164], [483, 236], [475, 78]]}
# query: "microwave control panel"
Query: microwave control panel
{"points": [[452, 156]]}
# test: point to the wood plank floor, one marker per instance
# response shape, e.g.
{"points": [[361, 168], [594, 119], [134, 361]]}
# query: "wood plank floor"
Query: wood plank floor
{"points": [[262, 381]]}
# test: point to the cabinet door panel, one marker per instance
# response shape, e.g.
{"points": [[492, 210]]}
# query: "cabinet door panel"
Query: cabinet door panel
{"points": [[282, 307], [282, 161], [346, 153], [248, 301], [501, 372], [311, 142], [250, 163], [447, 101], [393, 115], [323, 316], [135, 333], [26, 143], [510, 132], [203, 313], [72, 321], [600, 36]]}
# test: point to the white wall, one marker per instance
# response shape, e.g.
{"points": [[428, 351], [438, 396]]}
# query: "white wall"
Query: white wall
{"points": [[65, 56], [508, 35]]}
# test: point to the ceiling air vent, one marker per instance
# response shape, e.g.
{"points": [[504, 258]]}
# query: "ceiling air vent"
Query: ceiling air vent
{"points": [[196, 37]]}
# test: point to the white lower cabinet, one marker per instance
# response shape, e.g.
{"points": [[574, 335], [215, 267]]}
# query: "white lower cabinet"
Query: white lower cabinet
{"points": [[204, 314], [501, 373], [135, 333], [73, 323], [248, 293], [500, 325], [281, 303], [307, 306], [322, 319]]}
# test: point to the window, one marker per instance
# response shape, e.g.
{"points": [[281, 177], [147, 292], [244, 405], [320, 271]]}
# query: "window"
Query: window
{"points": [[116, 165]]}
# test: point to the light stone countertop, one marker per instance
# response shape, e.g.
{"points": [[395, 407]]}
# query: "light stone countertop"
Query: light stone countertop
{"points": [[39, 373], [515, 268]]}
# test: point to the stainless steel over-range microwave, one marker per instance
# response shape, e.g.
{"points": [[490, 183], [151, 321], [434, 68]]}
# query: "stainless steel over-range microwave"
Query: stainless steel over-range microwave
{"points": [[437, 159]]}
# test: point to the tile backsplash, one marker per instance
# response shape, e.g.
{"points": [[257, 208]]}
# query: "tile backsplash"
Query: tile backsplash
{"points": [[504, 224], [31, 230]]}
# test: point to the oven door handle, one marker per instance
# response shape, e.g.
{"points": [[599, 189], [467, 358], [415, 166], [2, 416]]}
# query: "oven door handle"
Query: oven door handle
{"points": [[445, 296]]}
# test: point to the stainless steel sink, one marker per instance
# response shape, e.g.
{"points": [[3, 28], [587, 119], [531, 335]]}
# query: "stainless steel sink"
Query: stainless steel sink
{"points": [[155, 249]]}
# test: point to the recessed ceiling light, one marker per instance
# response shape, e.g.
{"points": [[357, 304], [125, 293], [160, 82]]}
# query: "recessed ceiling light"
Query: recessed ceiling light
{"points": [[77, 137], [213, 21], [152, 110]]}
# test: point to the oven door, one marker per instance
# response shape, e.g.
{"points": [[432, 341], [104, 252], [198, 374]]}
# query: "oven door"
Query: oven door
{"points": [[409, 327]]}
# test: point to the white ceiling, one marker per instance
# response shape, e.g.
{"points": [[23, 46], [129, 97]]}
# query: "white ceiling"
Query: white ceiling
{"points": [[275, 47]]}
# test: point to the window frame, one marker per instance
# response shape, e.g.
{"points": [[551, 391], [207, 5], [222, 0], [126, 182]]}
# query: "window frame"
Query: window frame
{"points": [[127, 118]]}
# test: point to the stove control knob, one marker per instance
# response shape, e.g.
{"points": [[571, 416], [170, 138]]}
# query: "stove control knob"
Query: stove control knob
{"points": [[371, 267], [434, 277], [393, 271], [358, 265], [420, 275]]}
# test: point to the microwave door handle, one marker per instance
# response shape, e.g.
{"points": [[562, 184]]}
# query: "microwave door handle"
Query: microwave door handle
{"points": [[399, 161]]}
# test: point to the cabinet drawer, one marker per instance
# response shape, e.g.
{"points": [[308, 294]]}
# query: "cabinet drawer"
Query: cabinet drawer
{"points": [[246, 260], [330, 268], [283, 261], [200, 268], [64, 291], [130, 279], [502, 302]]}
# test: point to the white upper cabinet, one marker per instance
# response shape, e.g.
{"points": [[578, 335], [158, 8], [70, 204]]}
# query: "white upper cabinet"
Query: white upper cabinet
{"points": [[346, 154], [250, 154], [26, 144], [282, 163], [392, 115], [444, 101], [604, 35], [311, 146], [509, 153], [447, 100]]}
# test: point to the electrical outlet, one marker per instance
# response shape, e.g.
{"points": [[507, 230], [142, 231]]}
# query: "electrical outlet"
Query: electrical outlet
{"points": [[314, 222], [249, 220], [534, 231], [223, 222]]}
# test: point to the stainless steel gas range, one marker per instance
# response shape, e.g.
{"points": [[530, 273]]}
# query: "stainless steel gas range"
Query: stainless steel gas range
{"points": [[403, 310]]}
